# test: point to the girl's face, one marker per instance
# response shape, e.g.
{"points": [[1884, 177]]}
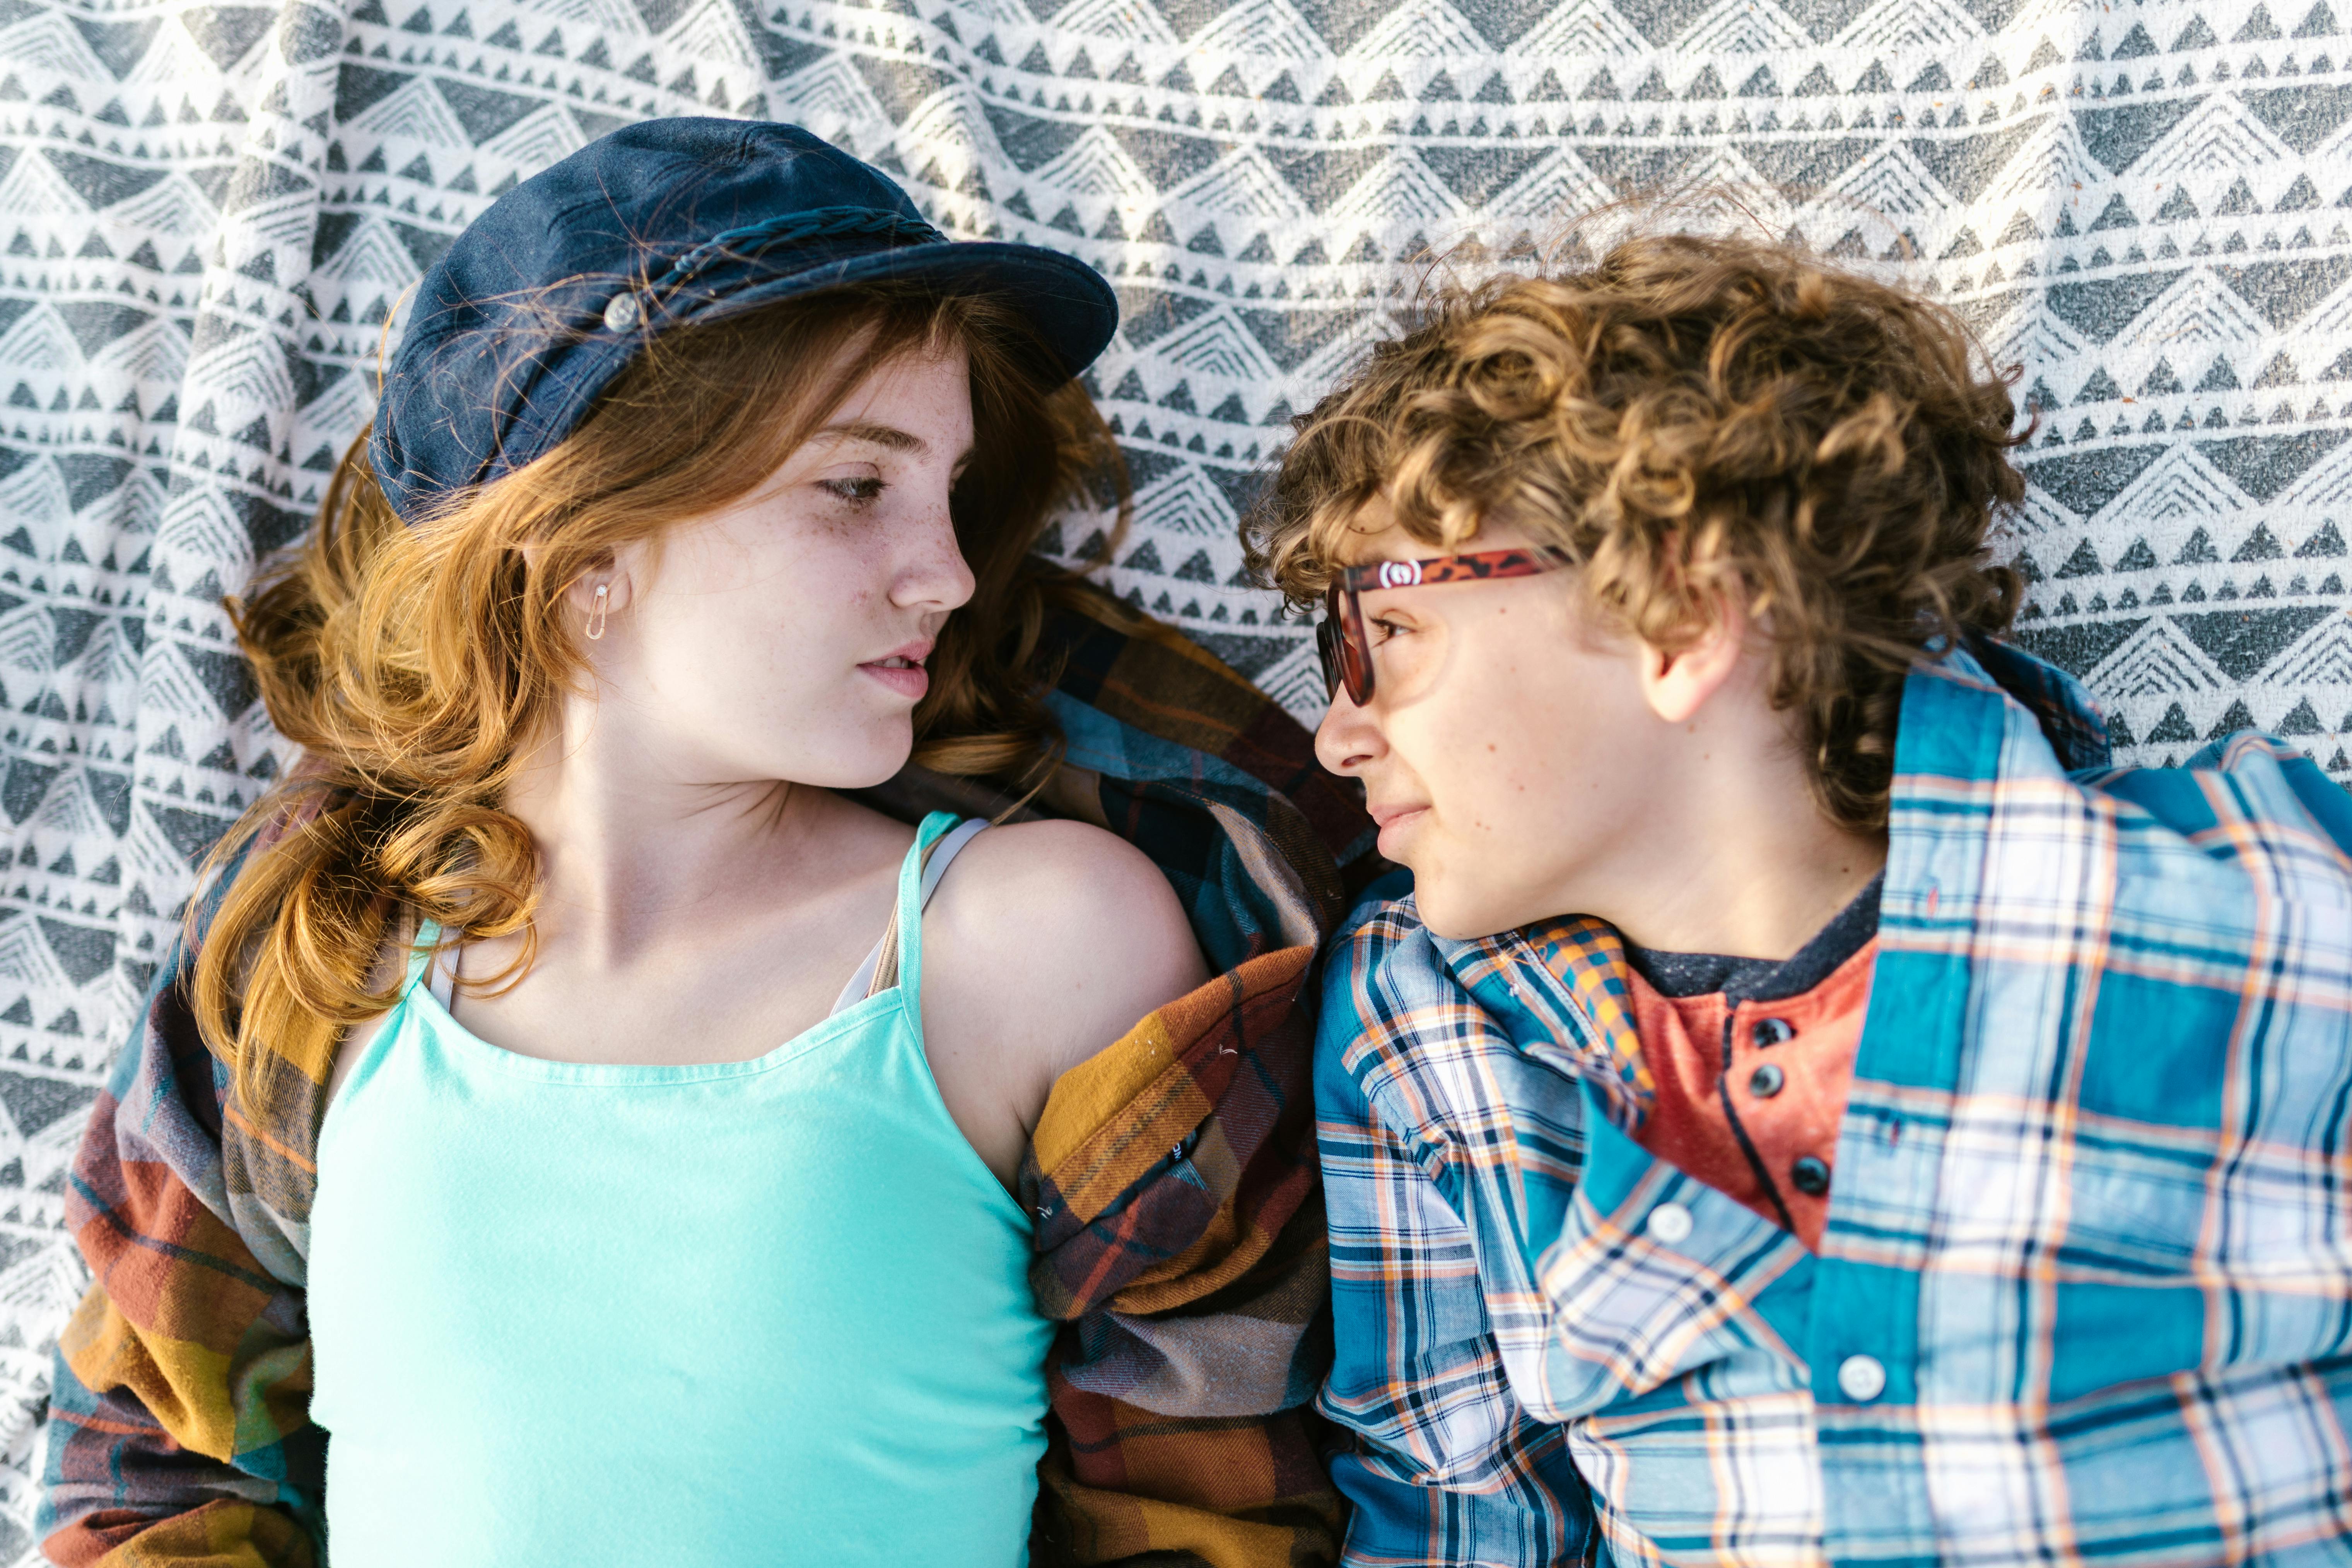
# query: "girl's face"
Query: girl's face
{"points": [[783, 636]]}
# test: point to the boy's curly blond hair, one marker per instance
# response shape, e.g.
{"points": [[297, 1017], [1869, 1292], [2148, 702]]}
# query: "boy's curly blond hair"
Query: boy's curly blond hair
{"points": [[1692, 415]]}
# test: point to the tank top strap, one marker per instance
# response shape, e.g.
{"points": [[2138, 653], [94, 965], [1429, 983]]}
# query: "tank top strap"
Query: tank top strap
{"points": [[943, 854], [897, 958], [940, 841], [426, 948]]}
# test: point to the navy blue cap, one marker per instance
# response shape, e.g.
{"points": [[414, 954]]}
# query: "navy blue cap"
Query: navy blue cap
{"points": [[546, 296]]}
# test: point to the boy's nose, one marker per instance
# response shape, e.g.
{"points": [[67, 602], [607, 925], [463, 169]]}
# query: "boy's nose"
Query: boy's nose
{"points": [[1347, 738]]}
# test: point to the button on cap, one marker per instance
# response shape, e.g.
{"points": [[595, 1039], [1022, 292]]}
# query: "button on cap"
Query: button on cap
{"points": [[1809, 1177], [1766, 1081], [1862, 1378], [1670, 1223], [1771, 1031]]}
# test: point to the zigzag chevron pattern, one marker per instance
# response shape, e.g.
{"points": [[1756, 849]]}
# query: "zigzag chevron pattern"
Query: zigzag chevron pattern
{"points": [[212, 212]]}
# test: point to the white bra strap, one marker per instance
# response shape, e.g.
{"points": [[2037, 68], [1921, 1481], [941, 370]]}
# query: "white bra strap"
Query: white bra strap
{"points": [[943, 854], [949, 845], [440, 976]]}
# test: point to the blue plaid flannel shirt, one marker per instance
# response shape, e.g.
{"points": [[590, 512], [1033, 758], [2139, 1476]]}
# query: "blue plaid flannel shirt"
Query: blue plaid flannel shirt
{"points": [[2085, 1292]]}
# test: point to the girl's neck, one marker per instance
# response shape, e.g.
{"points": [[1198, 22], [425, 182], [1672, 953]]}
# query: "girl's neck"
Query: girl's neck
{"points": [[631, 843]]}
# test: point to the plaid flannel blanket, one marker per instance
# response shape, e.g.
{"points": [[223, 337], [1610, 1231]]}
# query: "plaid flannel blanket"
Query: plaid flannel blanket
{"points": [[1179, 1232]]}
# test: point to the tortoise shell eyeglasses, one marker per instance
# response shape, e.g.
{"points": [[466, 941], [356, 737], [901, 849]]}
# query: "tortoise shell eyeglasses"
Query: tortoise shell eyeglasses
{"points": [[1340, 635]]}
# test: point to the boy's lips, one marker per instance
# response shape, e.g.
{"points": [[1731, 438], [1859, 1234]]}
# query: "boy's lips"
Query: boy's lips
{"points": [[1394, 821]]}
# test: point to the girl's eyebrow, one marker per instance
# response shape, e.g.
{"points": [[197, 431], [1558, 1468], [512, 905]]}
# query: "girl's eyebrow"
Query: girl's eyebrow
{"points": [[888, 435]]}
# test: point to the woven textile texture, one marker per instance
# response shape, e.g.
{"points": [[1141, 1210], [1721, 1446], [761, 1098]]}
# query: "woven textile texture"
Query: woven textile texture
{"points": [[209, 214]]}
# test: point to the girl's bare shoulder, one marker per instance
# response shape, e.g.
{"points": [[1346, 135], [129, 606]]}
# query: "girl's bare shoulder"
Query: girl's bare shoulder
{"points": [[1069, 880], [1067, 930]]}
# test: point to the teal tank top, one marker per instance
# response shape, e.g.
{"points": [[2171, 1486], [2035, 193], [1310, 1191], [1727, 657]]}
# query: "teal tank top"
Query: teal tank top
{"points": [[768, 1311]]}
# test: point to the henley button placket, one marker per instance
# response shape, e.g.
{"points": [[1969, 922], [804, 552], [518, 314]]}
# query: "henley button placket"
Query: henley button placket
{"points": [[1862, 1378]]}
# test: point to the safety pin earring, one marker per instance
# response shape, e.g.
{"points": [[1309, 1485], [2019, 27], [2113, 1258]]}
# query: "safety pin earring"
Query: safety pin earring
{"points": [[596, 613]]}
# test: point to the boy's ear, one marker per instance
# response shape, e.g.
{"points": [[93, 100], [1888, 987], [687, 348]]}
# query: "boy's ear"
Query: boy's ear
{"points": [[1677, 685]]}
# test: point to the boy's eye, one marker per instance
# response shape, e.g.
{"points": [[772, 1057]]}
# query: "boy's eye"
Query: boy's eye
{"points": [[1382, 629], [858, 489]]}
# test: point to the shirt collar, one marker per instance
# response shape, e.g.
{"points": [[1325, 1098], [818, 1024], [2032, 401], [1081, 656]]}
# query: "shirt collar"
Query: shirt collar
{"points": [[2070, 720], [1764, 979]]}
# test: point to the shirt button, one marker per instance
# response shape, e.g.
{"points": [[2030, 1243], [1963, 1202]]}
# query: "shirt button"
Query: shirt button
{"points": [[1771, 1031], [1862, 1378], [1670, 1223], [1809, 1177], [1766, 1081]]}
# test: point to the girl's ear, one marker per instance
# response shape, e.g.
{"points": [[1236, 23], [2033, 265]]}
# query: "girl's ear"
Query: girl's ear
{"points": [[1677, 685], [614, 577]]}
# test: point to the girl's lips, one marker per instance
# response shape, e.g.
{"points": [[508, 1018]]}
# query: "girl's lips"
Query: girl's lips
{"points": [[903, 676]]}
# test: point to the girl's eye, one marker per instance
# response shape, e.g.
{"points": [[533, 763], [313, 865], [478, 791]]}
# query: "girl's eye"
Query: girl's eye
{"points": [[1383, 630], [859, 490]]}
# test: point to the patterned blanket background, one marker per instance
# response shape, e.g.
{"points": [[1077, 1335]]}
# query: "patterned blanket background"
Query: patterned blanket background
{"points": [[209, 213]]}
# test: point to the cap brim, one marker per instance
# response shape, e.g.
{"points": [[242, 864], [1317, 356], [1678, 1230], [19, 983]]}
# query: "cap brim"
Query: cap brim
{"points": [[1066, 302]]}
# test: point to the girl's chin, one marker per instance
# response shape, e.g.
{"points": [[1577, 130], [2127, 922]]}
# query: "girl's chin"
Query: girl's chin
{"points": [[864, 761]]}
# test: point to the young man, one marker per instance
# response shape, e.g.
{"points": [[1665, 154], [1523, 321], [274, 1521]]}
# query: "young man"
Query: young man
{"points": [[1812, 1109]]}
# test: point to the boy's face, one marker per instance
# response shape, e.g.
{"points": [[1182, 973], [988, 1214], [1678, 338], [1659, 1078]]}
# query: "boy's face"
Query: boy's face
{"points": [[1508, 752]]}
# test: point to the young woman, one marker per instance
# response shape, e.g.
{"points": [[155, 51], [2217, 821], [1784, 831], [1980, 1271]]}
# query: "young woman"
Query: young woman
{"points": [[635, 1111]]}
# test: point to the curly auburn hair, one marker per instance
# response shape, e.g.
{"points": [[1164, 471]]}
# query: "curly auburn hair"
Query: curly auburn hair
{"points": [[1690, 416]]}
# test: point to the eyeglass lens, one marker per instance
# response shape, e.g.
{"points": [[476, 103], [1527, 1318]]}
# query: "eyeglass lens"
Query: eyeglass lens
{"points": [[1339, 643]]}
